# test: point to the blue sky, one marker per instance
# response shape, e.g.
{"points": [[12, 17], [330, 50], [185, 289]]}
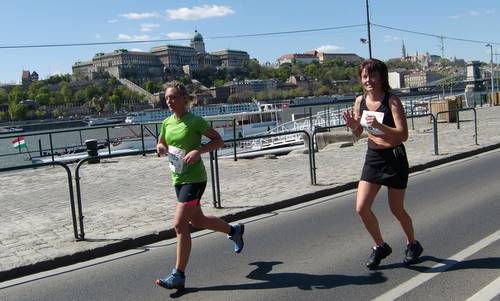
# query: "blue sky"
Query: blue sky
{"points": [[38, 22]]}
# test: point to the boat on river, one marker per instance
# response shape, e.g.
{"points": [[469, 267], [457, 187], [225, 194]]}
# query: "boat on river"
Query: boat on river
{"points": [[10, 129], [147, 116]]}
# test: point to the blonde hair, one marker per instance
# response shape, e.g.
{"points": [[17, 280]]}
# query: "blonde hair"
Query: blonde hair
{"points": [[180, 89]]}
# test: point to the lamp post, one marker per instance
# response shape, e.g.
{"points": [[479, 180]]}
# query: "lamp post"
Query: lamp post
{"points": [[492, 80], [369, 33]]}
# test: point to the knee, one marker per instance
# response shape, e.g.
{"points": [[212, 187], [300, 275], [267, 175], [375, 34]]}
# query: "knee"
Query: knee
{"points": [[181, 227], [400, 213], [362, 210]]}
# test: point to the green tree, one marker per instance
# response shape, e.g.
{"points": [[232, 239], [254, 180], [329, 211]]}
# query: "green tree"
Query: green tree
{"points": [[4, 96], [4, 116], [17, 111], [65, 92], [16, 95]]}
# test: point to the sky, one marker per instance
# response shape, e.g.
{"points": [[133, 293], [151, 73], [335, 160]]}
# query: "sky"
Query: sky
{"points": [[265, 29]]}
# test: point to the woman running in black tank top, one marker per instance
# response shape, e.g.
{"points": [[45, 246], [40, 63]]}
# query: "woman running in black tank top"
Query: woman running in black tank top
{"points": [[382, 116]]}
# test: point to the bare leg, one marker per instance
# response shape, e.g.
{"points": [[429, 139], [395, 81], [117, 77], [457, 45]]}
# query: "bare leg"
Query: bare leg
{"points": [[396, 203], [184, 215], [201, 221], [364, 200], [181, 226]]}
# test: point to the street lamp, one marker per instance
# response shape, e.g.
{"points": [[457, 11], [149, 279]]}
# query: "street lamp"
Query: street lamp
{"points": [[491, 61], [368, 27]]}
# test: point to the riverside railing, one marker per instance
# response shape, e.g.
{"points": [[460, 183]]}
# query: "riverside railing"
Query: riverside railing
{"points": [[70, 187], [74, 140], [234, 141], [436, 151], [213, 165]]}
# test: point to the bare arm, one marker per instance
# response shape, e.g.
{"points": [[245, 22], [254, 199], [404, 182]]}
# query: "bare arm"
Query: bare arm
{"points": [[353, 118], [161, 146]]}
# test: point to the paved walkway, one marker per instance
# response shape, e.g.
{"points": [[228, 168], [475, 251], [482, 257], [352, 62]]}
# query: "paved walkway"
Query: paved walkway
{"points": [[129, 201]]}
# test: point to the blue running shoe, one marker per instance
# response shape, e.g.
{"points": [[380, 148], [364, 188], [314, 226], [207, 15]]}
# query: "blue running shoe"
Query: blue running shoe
{"points": [[173, 281], [237, 237]]}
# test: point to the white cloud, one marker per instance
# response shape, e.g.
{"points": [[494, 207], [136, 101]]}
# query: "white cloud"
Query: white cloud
{"points": [[474, 13], [138, 16], [455, 17], [148, 27], [490, 11], [179, 35], [112, 21], [199, 12], [137, 49], [97, 35], [328, 48], [127, 37]]}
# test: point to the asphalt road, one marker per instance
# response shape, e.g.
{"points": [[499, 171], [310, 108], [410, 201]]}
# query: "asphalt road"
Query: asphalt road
{"points": [[317, 251]]}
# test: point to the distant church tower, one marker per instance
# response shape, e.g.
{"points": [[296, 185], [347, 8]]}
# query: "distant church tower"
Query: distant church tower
{"points": [[403, 51], [197, 42]]}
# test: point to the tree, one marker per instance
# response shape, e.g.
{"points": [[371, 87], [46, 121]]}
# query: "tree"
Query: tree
{"points": [[16, 95], [17, 111], [4, 96]]}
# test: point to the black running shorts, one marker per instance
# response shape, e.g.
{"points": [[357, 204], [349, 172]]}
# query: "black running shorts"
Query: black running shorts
{"points": [[388, 167], [190, 193]]}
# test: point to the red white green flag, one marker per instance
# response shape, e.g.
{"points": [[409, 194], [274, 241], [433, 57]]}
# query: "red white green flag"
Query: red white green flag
{"points": [[19, 142]]}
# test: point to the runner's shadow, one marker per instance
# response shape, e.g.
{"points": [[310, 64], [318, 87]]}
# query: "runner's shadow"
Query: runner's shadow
{"points": [[448, 264], [302, 281]]}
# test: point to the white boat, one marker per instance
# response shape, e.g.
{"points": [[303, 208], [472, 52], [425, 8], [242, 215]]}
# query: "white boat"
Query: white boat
{"points": [[204, 111], [10, 129], [102, 121]]}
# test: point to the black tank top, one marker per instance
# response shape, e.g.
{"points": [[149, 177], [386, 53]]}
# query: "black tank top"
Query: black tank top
{"points": [[384, 108]]}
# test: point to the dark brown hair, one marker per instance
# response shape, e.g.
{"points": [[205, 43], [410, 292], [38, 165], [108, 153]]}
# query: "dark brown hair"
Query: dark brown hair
{"points": [[374, 65]]}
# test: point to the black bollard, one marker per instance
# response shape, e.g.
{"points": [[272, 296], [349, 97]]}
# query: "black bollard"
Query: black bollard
{"points": [[91, 145]]}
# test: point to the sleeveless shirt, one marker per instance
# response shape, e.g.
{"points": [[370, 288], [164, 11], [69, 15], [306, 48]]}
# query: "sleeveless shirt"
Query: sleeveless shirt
{"points": [[384, 108]]}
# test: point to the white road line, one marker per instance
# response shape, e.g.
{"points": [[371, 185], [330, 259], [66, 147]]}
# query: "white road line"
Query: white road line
{"points": [[414, 282], [488, 292]]}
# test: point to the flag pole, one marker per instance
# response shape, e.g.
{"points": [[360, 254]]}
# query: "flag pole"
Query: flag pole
{"points": [[27, 149]]}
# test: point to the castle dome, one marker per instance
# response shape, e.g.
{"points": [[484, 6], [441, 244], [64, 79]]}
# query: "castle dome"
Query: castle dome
{"points": [[197, 37]]}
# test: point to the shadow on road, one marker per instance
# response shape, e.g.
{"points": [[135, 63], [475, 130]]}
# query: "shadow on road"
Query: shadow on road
{"points": [[448, 264], [285, 280]]}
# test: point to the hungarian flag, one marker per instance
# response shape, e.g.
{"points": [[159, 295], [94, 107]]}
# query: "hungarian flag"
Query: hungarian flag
{"points": [[19, 142]]}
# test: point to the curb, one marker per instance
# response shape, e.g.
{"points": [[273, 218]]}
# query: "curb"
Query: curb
{"points": [[128, 244]]}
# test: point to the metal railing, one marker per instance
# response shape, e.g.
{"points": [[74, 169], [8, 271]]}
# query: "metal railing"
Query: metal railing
{"points": [[214, 167], [70, 187]]}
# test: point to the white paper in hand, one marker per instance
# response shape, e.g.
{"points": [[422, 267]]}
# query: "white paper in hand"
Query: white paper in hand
{"points": [[380, 118], [175, 158]]}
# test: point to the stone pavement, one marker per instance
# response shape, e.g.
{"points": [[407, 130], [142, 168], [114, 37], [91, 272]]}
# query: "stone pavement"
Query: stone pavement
{"points": [[129, 201]]}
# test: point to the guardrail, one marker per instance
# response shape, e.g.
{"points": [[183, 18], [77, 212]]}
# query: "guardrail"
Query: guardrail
{"points": [[436, 152], [234, 141], [70, 187], [214, 167]]}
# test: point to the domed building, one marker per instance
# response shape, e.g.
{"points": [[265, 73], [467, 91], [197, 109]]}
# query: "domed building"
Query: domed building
{"points": [[197, 42]]}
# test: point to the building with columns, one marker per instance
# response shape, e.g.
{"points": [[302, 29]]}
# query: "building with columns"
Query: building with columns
{"points": [[154, 64]]}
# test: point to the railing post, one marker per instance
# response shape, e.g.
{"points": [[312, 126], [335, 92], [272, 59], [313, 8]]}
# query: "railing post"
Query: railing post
{"points": [[234, 138], [214, 193], [51, 147], [108, 139], [142, 140], [475, 126], [79, 199], [217, 185], [435, 131]]}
